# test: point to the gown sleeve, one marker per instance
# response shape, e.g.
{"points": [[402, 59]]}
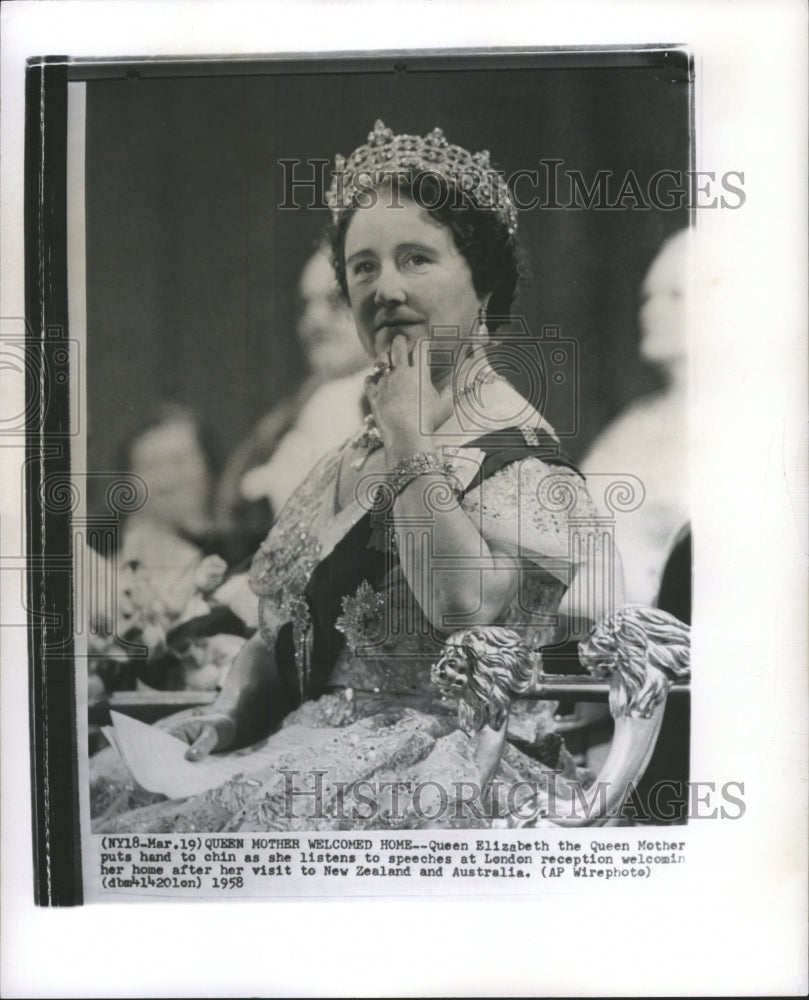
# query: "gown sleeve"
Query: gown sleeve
{"points": [[537, 512]]}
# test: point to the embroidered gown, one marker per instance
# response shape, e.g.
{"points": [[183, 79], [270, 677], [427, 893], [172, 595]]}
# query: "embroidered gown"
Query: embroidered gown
{"points": [[374, 743]]}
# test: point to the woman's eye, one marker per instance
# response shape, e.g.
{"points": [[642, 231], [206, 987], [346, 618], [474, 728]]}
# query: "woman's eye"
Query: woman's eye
{"points": [[362, 268], [417, 259]]}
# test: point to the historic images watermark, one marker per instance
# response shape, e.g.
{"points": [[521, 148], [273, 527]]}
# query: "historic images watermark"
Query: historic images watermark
{"points": [[41, 368], [411, 804], [550, 186], [52, 371]]}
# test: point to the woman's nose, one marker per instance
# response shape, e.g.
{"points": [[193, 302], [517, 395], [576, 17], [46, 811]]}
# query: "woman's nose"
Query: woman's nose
{"points": [[389, 286]]}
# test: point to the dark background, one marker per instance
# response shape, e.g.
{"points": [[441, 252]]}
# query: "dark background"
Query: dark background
{"points": [[192, 269]]}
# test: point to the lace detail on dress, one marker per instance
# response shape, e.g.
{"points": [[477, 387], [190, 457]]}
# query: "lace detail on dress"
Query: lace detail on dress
{"points": [[532, 508], [286, 559]]}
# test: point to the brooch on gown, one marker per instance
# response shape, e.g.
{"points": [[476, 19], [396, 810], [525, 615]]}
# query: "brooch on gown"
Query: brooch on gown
{"points": [[363, 618]]}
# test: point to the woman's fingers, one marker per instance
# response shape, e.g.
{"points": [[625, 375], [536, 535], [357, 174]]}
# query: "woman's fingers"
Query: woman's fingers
{"points": [[184, 730], [424, 364], [205, 733], [372, 394], [204, 743], [398, 352]]}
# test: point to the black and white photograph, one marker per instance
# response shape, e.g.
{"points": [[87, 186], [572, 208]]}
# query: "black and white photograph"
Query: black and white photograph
{"points": [[360, 542], [391, 484]]}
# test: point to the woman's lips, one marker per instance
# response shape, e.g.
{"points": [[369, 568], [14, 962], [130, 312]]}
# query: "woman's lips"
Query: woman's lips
{"points": [[395, 324], [389, 329]]}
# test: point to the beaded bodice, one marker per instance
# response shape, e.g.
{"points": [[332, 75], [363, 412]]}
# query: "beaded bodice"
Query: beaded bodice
{"points": [[332, 577]]}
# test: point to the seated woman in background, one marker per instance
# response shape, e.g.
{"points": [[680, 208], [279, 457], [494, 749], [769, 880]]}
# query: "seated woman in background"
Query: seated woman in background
{"points": [[279, 452], [650, 439], [170, 557], [455, 509], [167, 451]]}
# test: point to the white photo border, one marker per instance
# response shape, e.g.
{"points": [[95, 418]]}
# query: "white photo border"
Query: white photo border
{"points": [[743, 929]]}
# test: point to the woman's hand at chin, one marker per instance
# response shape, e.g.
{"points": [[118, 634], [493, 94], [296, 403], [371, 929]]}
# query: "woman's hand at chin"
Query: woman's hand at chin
{"points": [[406, 405]]}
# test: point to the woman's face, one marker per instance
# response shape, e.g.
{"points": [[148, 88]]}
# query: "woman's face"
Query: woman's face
{"points": [[406, 276], [325, 325], [169, 458], [662, 313]]}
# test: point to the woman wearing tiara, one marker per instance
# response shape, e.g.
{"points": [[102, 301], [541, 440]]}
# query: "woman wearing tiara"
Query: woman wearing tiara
{"points": [[454, 510]]}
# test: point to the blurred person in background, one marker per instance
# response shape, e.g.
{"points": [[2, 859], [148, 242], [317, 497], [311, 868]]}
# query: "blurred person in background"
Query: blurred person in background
{"points": [[170, 559], [186, 524], [169, 535], [650, 438], [323, 412]]}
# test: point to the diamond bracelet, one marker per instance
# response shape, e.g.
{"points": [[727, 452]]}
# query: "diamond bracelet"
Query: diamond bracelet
{"points": [[420, 464]]}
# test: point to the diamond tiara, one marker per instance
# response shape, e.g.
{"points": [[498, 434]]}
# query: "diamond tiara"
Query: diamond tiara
{"points": [[387, 154]]}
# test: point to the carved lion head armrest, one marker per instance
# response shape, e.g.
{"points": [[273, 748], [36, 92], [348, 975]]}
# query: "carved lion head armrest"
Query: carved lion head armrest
{"points": [[640, 651]]}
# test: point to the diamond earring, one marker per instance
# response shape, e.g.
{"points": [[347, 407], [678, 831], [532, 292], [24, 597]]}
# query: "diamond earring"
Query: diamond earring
{"points": [[482, 330]]}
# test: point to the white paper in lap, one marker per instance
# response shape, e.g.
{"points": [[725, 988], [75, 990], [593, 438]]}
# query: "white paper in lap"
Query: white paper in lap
{"points": [[156, 759]]}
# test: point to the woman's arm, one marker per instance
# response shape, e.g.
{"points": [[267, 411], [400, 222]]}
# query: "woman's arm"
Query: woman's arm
{"points": [[457, 579], [242, 712], [246, 694]]}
